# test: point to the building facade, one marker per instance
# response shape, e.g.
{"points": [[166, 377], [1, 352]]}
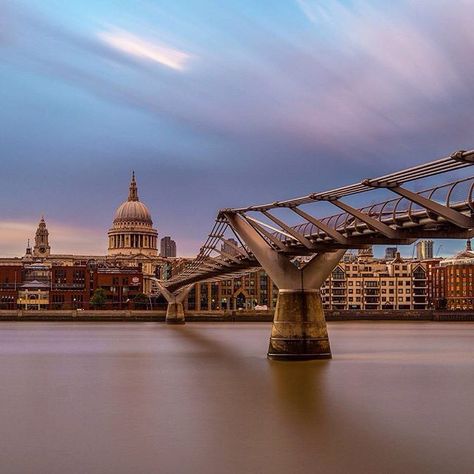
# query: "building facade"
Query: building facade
{"points": [[452, 282], [167, 247], [367, 283], [46, 285], [424, 250]]}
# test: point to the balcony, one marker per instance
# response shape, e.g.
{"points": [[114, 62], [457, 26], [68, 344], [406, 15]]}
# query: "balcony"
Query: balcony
{"points": [[371, 291], [420, 291]]}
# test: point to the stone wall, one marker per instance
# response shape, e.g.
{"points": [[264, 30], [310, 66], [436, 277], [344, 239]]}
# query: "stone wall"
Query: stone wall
{"points": [[243, 316]]}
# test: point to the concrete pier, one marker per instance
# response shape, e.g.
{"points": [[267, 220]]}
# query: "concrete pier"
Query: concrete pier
{"points": [[175, 313], [299, 330]]}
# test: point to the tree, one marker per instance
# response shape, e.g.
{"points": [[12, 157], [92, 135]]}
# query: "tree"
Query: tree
{"points": [[140, 301], [99, 298]]}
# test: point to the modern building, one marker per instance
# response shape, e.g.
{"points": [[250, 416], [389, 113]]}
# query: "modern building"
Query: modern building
{"points": [[390, 253], [424, 250], [167, 247]]}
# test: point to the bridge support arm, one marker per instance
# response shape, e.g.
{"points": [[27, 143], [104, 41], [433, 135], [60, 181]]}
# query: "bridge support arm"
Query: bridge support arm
{"points": [[299, 330], [175, 309]]}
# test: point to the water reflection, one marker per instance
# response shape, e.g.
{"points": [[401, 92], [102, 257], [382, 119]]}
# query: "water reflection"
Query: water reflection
{"points": [[299, 389]]}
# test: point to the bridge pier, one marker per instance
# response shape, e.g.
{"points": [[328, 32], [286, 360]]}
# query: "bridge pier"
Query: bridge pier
{"points": [[175, 309], [175, 313], [299, 330]]}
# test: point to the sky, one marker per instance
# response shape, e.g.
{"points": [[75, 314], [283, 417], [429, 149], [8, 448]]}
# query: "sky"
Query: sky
{"points": [[217, 104]]}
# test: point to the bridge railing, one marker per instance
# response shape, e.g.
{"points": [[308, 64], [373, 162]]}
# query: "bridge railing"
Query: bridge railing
{"points": [[457, 194]]}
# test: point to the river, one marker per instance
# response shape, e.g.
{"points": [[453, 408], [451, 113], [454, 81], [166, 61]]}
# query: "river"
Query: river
{"points": [[148, 398]]}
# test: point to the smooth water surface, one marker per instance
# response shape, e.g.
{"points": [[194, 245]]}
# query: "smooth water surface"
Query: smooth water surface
{"points": [[203, 398]]}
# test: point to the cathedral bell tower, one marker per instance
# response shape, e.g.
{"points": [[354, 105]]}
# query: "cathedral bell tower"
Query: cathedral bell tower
{"points": [[41, 248]]}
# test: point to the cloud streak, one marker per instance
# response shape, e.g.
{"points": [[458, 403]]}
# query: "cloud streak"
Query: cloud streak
{"points": [[146, 50]]}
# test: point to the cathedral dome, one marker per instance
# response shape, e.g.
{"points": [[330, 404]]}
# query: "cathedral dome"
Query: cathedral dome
{"points": [[132, 231], [133, 211]]}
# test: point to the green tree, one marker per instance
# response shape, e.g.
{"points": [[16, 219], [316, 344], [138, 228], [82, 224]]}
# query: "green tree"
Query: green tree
{"points": [[99, 298], [140, 301]]}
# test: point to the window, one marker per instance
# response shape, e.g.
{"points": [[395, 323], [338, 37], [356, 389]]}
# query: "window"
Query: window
{"points": [[338, 274], [60, 275], [79, 276]]}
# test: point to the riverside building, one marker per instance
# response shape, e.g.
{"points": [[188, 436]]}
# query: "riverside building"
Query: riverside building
{"points": [[367, 283], [452, 281]]}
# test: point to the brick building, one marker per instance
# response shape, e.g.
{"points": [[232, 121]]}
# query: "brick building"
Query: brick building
{"points": [[38, 285], [452, 282]]}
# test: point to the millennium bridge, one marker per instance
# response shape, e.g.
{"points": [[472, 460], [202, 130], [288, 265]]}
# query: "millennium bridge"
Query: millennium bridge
{"points": [[299, 256]]}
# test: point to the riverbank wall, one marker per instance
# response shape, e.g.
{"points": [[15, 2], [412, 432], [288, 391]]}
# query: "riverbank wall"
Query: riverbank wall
{"points": [[231, 316]]}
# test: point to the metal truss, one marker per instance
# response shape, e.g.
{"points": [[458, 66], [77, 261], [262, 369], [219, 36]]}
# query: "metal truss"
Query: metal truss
{"points": [[442, 211]]}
